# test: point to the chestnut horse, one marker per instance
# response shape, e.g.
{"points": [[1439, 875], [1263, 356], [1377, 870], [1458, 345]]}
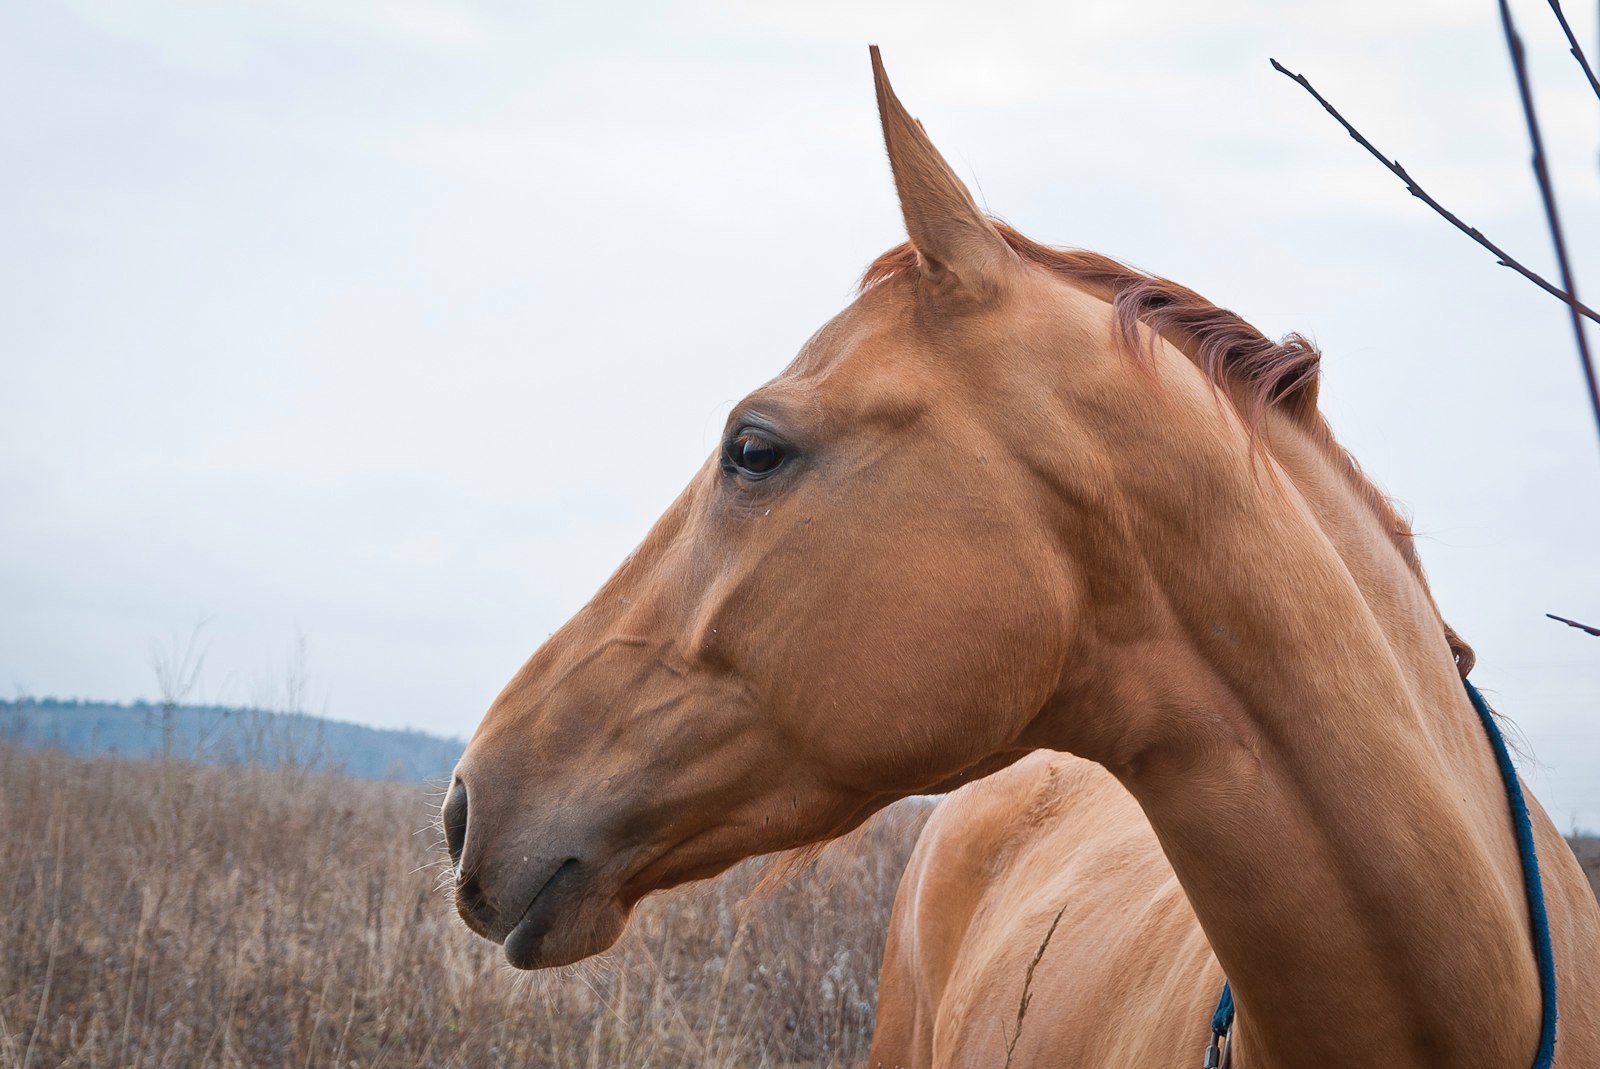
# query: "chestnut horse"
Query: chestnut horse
{"points": [[1014, 498]]}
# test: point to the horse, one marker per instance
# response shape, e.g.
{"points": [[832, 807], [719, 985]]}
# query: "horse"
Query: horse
{"points": [[1015, 500]]}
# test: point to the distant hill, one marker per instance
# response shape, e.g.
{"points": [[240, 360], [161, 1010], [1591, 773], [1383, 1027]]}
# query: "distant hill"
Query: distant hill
{"points": [[217, 734]]}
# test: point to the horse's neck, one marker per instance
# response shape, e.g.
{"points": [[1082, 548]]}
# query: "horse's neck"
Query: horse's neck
{"points": [[1316, 775]]}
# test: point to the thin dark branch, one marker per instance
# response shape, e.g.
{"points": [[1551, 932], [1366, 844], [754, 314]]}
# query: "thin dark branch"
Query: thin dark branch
{"points": [[1421, 194], [1572, 43], [1574, 623], [1548, 195]]}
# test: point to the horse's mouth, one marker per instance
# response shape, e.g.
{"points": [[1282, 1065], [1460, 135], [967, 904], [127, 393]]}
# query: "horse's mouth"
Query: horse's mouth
{"points": [[524, 940], [569, 918]]}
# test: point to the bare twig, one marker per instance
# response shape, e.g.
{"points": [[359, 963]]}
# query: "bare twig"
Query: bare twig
{"points": [[177, 671], [1421, 194], [1548, 195], [1574, 623], [1572, 43]]}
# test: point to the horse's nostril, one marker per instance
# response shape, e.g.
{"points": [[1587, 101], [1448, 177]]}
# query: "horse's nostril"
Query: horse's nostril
{"points": [[455, 822]]}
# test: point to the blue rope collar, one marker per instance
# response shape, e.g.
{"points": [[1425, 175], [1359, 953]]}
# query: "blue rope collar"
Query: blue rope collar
{"points": [[1220, 1053]]}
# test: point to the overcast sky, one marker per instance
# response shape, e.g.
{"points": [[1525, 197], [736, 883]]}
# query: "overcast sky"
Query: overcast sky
{"points": [[311, 311]]}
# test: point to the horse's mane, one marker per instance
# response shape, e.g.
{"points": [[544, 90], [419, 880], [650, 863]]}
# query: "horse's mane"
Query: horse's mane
{"points": [[1254, 371]]}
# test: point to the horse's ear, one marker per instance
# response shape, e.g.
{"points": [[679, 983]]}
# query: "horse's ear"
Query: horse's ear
{"points": [[955, 242]]}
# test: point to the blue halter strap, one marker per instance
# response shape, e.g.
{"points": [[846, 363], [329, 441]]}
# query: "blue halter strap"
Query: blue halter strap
{"points": [[1221, 1026], [1522, 826]]}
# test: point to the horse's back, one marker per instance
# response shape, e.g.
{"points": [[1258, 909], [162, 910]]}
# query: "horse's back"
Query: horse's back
{"points": [[1125, 978]]}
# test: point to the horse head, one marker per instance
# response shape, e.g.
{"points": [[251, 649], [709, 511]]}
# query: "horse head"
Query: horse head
{"points": [[904, 566]]}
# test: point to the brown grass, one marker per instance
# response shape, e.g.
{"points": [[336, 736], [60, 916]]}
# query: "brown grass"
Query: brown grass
{"points": [[172, 915], [1587, 847]]}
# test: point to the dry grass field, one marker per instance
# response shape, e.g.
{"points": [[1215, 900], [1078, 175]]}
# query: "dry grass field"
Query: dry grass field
{"points": [[182, 916], [172, 915]]}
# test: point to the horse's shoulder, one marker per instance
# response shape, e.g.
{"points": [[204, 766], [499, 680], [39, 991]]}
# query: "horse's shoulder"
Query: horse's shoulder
{"points": [[1044, 796], [1054, 849]]}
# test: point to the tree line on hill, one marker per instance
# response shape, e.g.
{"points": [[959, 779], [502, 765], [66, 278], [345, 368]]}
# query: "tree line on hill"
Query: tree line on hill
{"points": [[227, 735]]}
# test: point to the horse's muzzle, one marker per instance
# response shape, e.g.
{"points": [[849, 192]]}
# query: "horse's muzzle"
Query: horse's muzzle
{"points": [[548, 906]]}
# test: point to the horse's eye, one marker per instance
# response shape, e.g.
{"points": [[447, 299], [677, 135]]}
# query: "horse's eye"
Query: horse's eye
{"points": [[750, 454]]}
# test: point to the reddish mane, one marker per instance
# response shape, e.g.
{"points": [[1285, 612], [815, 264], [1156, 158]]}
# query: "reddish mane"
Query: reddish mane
{"points": [[1255, 372]]}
